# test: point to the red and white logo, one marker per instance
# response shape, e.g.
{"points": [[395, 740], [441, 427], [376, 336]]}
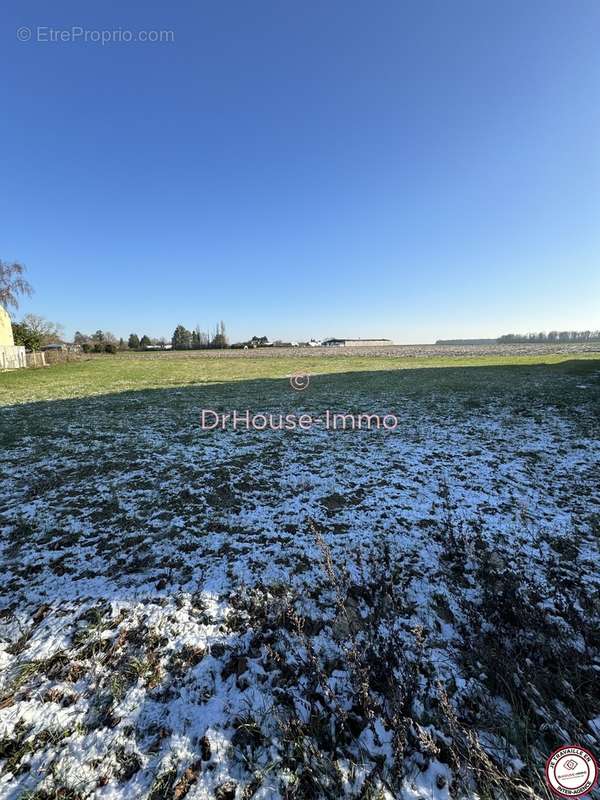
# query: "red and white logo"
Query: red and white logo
{"points": [[571, 771]]}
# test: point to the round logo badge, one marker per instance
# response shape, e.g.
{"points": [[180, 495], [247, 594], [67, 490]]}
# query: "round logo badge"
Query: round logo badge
{"points": [[571, 771]]}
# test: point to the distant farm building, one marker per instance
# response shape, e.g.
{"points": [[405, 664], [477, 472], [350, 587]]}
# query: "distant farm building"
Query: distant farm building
{"points": [[61, 347], [357, 342]]}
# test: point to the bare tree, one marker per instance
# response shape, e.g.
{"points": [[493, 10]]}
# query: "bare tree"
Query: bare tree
{"points": [[49, 332], [220, 337], [12, 283]]}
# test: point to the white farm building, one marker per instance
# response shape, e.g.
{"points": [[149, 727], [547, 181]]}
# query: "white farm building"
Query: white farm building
{"points": [[357, 342]]}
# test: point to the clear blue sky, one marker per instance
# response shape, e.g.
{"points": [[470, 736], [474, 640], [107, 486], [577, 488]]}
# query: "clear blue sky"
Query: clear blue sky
{"points": [[412, 170]]}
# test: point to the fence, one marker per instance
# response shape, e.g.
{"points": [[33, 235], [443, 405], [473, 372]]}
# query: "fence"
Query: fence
{"points": [[60, 356], [36, 359]]}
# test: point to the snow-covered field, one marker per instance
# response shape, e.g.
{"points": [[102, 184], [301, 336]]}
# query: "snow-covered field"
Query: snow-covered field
{"points": [[302, 614]]}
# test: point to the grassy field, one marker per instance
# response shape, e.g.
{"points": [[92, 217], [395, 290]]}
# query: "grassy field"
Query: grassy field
{"points": [[304, 614], [134, 372]]}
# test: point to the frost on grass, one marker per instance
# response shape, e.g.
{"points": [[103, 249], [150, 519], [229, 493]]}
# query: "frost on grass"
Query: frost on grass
{"points": [[301, 614]]}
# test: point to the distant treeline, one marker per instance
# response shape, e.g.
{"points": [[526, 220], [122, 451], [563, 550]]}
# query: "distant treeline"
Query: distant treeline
{"points": [[182, 339], [551, 336], [516, 338], [197, 339]]}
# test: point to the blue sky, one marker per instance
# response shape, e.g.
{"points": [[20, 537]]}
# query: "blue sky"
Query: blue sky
{"points": [[415, 170]]}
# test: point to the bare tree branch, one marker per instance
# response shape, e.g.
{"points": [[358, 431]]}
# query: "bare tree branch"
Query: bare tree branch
{"points": [[12, 283]]}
